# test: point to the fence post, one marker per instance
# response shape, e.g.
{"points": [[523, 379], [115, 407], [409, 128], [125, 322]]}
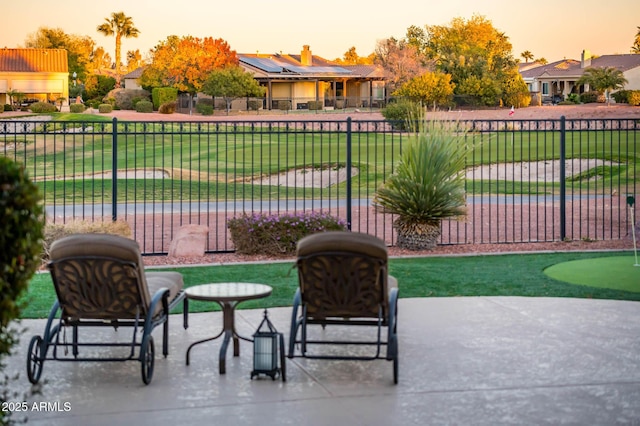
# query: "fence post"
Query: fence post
{"points": [[114, 170], [348, 167], [563, 184]]}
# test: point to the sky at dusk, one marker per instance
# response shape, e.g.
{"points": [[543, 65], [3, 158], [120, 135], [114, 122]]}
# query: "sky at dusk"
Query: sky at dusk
{"points": [[553, 29]]}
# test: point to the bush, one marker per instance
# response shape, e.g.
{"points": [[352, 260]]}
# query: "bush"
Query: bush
{"points": [[633, 98], [40, 107], [21, 241], [254, 105], [77, 108], [168, 107], [124, 98], [55, 231], [589, 97], [400, 112], [7, 107], [204, 108], [277, 235], [621, 96], [284, 105], [144, 106], [161, 95], [105, 108], [94, 103], [314, 105]]}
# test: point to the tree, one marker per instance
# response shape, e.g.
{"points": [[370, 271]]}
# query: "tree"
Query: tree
{"points": [[351, 58], [515, 92], [636, 43], [119, 26], [134, 60], [232, 83], [603, 80], [471, 49], [80, 49], [400, 61], [527, 55], [429, 88], [185, 63]]}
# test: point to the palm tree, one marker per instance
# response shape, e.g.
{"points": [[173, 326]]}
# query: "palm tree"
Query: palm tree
{"points": [[636, 43], [527, 55], [119, 25], [603, 80]]}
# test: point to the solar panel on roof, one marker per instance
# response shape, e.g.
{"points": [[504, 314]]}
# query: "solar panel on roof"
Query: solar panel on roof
{"points": [[264, 64]]}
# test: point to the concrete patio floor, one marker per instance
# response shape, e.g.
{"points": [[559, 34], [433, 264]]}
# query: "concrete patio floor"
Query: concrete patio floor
{"points": [[463, 361]]}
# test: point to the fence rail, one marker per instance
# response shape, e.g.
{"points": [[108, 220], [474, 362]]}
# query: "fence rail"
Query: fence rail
{"points": [[527, 180]]}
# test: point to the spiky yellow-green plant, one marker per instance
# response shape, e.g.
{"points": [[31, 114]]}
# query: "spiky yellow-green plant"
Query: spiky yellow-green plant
{"points": [[428, 184]]}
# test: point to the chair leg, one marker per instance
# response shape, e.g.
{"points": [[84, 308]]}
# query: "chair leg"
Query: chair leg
{"points": [[185, 313], [165, 337]]}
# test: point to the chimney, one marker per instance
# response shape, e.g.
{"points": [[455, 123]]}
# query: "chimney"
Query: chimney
{"points": [[306, 58], [585, 60]]}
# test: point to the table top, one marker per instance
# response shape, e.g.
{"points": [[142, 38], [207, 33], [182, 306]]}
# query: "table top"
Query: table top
{"points": [[228, 292]]}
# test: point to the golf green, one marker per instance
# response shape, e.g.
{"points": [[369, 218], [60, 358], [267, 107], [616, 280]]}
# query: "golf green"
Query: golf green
{"points": [[617, 272]]}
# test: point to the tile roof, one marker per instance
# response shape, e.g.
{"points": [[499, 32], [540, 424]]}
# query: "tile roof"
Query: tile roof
{"points": [[137, 73], [33, 60], [572, 67]]}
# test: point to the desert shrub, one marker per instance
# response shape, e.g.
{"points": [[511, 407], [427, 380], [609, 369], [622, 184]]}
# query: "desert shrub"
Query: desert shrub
{"points": [[94, 103], [55, 231], [254, 105], [144, 106], [621, 96], [284, 105], [40, 107], [168, 107], [399, 113], [278, 235], [204, 108], [573, 98], [633, 98], [589, 97], [8, 107], [161, 95], [21, 228], [105, 108], [77, 108], [123, 98]]}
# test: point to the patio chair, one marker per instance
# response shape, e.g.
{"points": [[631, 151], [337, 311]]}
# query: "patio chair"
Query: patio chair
{"points": [[100, 281], [343, 281]]}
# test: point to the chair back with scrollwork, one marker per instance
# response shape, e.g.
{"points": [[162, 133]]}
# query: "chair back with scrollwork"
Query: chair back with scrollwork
{"points": [[343, 275], [99, 276]]}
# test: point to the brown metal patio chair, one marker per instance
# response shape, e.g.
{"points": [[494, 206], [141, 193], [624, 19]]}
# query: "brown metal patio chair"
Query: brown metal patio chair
{"points": [[100, 281], [344, 281]]}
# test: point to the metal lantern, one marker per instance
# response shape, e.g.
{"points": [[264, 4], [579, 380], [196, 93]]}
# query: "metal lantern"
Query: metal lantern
{"points": [[268, 346]]}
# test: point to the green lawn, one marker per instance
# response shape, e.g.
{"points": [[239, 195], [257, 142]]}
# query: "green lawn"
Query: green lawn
{"points": [[487, 275]]}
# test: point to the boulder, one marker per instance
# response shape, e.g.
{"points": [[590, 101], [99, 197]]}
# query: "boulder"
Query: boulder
{"points": [[189, 241]]}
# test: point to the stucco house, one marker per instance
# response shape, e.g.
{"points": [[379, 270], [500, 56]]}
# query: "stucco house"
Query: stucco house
{"points": [[131, 79], [41, 74], [292, 81], [554, 81]]}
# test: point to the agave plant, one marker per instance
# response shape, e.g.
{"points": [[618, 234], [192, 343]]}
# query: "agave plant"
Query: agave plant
{"points": [[427, 186]]}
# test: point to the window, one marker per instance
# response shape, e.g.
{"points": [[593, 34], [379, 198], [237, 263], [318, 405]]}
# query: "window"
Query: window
{"points": [[545, 88]]}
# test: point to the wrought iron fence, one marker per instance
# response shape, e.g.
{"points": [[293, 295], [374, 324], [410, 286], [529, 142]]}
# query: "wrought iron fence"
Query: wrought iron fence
{"points": [[527, 180]]}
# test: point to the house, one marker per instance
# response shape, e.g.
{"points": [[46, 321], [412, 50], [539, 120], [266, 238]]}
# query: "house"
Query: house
{"points": [[553, 82], [131, 79], [40, 74], [293, 81]]}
